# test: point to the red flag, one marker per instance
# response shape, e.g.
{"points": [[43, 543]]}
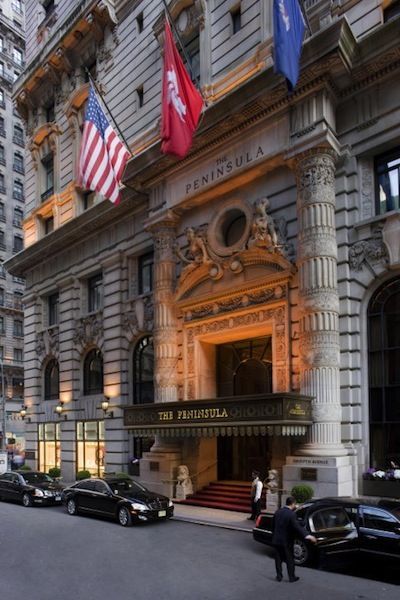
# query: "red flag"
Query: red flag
{"points": [[181, 102]]}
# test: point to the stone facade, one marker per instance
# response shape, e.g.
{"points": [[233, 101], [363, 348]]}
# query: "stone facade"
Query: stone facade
{"points": [[272, 227]]}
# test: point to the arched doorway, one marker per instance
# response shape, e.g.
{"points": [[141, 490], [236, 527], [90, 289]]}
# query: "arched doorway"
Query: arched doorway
{"points": [[244, 368], [384, 374]]}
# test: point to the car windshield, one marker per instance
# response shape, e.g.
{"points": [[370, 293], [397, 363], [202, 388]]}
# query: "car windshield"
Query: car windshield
{"points": [[125, 486], [36, 477]]}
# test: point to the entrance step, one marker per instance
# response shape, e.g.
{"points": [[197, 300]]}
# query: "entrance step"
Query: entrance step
{"points": [[225, 495]]}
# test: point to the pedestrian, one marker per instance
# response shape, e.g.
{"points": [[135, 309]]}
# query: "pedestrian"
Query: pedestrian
{"points": [[256, 491], [285, 528]]}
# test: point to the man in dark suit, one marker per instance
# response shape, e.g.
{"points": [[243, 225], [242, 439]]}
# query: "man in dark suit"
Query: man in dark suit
{"points": [[285, 528]]}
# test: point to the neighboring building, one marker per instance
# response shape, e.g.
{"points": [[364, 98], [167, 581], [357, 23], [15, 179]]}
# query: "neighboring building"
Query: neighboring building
{"points": [[12, 203], [267, 261]]}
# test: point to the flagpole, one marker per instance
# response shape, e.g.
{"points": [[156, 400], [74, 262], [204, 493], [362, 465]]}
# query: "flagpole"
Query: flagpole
{"points": [[108, 109], [189, 63]]}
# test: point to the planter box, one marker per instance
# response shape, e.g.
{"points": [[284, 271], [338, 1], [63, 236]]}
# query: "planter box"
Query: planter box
{"points": [[385, 489]]}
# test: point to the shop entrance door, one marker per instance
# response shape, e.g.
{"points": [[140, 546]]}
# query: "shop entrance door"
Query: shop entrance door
{"points": [[243, 367]]}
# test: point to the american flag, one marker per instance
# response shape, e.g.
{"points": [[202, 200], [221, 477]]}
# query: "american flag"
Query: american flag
{"points": [[103, 156]]}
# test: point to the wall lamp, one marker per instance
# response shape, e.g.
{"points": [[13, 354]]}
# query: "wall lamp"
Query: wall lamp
{"points": [[105, 406], [22, 414], [60, 409]]}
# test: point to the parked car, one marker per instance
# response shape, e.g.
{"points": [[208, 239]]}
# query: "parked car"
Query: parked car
{"points": [[342, 525], [30, 487], [120, 498]]}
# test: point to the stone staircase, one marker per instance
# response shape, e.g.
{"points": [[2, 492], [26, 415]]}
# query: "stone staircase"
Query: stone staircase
{"points": [[225, 495]]}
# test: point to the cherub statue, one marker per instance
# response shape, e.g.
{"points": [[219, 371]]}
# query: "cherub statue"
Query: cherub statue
{"points": [[263, 231], [197, 251], [272, 481], [184, 486]]}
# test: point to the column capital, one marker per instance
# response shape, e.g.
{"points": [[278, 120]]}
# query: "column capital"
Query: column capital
{"points": [[164, 221]]}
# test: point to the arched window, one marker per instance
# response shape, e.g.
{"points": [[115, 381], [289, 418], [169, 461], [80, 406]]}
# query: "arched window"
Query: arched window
{"points": [[384, 374], [143, 371], [93, 373], [52, 380]]}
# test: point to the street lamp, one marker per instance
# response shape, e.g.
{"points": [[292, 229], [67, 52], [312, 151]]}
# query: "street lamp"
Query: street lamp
{"points": [[3, 404], [105, 406]]}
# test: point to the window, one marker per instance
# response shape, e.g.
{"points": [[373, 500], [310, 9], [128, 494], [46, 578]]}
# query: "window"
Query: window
{"points": [[48, 6], [140, 96], [1, 68], [18, 163], [2, 186], [331, 518], [391, 11], [387, 169], [2, 212], [90, 69], [1, 352], [90, 447], [18, 137], [17, 6], [18, 355], [17, 56], [18, 243], [2, 271], [2, 241], [18, 217], [2, 128], [49, 446], [145, 268], [2, 325], [48, 225], [1, 296], [384, 374], [374, 518], [50, 113], [95, 292], [18, 190], [52, 380], [236, 19], [18, 328], [93, 373], [1, 44], [2, 156], [2, 100], [143, 371], [52, 307], [139, 22], [18, 387], [48, 171]]}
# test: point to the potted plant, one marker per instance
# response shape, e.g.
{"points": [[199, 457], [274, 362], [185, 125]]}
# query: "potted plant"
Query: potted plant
{"points": [[379, 482], [302, 493], [84, 474]]}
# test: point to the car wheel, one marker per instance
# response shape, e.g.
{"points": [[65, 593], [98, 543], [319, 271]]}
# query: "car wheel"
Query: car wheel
{"points": [[27, 500], [72, 507], [301, 553], [124, 517]]}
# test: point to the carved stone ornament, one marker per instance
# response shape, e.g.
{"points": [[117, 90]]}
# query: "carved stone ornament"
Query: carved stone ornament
{"points": [[47, 343], [89, 330], [269, 233], [139, 317], [368, 251]]}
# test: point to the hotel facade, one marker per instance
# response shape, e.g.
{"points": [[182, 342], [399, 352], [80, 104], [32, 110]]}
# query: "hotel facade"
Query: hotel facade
{"points": [[240, 308]]}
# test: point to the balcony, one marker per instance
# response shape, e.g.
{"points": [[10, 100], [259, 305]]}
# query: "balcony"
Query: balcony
{"points": [[18, 168], [18, 196], [18, 139]]}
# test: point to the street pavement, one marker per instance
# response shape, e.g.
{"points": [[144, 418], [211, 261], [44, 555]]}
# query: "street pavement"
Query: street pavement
{"points": [[45, 554]]}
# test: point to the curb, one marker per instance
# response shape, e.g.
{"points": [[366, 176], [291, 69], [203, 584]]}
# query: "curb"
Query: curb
{"points": [[210, 524]]}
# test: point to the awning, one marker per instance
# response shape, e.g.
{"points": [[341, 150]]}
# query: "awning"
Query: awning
{"points": [[262, 414]]}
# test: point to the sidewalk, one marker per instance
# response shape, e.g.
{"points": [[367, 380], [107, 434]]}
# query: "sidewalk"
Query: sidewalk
{"points": [[213, 517]]}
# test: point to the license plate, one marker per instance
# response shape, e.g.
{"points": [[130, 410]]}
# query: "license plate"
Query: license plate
{"points": [[162, 513], [57, 498]]}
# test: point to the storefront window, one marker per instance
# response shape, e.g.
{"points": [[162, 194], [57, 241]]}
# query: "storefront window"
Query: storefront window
{"points": [[49, 446], [90, 447]]}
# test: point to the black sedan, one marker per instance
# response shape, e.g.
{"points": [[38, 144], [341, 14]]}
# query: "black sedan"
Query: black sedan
{"points": [[120, 498], [342, 525], [30, 487]]}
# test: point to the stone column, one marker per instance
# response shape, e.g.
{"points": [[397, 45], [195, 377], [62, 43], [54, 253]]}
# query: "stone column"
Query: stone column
{"points": [[165, 324], [323, 453], [158, 467], [319, 299]]}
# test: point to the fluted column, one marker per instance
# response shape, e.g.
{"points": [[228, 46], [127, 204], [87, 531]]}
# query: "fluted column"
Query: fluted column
{"points": [[165, 324], [319, 299]]}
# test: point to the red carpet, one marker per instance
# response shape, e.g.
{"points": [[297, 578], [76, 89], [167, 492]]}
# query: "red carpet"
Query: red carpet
{"points": [[225, 495]]}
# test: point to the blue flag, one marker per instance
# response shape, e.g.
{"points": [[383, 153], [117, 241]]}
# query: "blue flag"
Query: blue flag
{"points": [[288, 38]]}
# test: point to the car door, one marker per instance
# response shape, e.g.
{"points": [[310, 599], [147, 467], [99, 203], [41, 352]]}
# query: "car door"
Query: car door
{"points": [[5, 485], [379, 531], [83, 494], [103, 499], [334, 530], [16, 487]]}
